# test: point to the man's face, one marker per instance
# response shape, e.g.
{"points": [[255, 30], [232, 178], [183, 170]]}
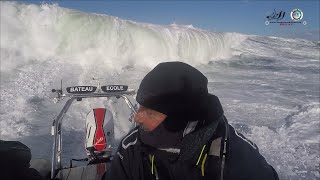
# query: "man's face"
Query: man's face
{"points": [[149, 119]]}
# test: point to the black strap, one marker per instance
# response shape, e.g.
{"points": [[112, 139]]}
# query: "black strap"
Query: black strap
{"points": [[224, 148]]}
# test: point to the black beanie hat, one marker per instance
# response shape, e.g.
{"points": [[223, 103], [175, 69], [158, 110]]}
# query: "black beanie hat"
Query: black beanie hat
{"points": [[175, 89]]}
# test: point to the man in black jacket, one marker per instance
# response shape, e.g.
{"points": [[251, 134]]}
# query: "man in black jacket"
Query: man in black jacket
{"points": [[183, 134], [15, 162]]}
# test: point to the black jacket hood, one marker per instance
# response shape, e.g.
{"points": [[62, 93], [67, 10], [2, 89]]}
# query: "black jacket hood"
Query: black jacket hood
{"points": [[192, 143], [179, 91], [173, 87]]}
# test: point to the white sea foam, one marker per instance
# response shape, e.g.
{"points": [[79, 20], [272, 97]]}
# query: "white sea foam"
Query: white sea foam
{"points": [[31, 32]]}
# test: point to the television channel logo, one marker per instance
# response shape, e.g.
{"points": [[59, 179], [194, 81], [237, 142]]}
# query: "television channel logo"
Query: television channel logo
{"points": [[296, 14]]}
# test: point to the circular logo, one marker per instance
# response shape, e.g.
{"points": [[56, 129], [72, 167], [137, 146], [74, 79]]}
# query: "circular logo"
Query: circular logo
{"points": [[296, 14]]}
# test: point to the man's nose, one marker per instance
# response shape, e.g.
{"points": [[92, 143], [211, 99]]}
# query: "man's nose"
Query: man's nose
{"points": [[137, 117]]}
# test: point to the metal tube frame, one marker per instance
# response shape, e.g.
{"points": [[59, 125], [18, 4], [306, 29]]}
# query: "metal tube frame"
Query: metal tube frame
{"points": [[57, 122]]}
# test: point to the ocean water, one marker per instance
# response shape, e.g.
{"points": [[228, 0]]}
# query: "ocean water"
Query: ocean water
{"points": [[269, 86]]}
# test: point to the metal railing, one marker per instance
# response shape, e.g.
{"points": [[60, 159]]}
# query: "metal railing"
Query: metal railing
{"points": [[56, 130]]}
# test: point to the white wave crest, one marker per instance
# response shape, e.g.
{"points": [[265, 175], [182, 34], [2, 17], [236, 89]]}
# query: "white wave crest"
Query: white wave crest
{"points": [[32, 32]]}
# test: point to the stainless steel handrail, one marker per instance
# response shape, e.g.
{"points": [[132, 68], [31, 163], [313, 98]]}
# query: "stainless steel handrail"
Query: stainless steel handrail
{"points": [[57, 122]]}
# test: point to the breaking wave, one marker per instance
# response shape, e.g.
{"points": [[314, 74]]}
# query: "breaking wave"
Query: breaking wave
{"points": [[45, 32]]}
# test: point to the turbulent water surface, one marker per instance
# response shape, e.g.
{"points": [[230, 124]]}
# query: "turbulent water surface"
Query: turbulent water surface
{"points": [[268, 86]]}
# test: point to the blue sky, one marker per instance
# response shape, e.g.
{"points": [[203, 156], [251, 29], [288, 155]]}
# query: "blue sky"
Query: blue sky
{"points": [[246, 17]]}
